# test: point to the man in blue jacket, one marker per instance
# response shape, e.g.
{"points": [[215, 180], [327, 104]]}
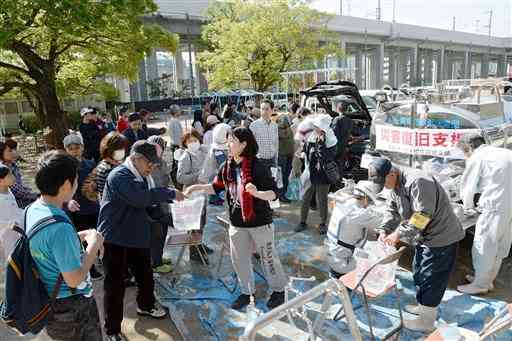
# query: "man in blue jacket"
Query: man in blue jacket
{"points": [[125, 225]]}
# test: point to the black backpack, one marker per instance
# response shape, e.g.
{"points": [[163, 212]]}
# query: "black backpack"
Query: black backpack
{"points": [[27, 304]]}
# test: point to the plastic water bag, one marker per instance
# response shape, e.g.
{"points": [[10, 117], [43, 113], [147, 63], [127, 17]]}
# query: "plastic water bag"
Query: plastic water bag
{"points": [[186, 214], [382, 276]]}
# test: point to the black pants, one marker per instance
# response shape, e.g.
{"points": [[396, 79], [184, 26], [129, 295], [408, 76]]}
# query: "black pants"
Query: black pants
{"points": [[84, 221], [74, 318], [432, 267], [158, 236], [285, 162], [116, 260]]}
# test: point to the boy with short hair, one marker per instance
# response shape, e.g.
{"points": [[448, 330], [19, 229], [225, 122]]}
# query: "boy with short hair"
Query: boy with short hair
{"points": [[57, 250]]}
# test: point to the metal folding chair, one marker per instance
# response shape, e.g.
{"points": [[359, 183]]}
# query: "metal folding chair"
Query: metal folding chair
{"points": [[350, 281], [189, 239]]}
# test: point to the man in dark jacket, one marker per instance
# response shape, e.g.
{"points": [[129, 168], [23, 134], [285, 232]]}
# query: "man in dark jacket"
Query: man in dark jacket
{"points": [[342, 127], [91, 134], [125, 225], [135, 132]]}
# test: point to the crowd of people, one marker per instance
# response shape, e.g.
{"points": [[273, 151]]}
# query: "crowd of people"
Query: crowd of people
{"points": [[113, 184]]}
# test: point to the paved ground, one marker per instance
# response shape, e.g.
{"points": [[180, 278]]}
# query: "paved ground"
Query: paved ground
{"points": [[136, 329]]}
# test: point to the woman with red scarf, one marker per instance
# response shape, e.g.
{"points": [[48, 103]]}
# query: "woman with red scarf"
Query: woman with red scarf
{"points": [[249, 187]]}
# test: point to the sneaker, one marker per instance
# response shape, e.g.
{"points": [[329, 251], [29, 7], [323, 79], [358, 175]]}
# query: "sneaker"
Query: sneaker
{"points": [[196, 257], [284, 199], [322, 229], [157, 312], [301, 227], [241, 302], [276, 299], [95, 274], [163, 269], [115, 337]]}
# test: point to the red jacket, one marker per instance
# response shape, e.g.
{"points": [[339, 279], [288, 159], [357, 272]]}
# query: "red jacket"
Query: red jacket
{"points": [[122, 125]]}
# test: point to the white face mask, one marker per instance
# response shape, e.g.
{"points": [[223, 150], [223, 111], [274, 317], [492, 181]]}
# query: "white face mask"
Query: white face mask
{"points": [[119, 155], [194, 146]]}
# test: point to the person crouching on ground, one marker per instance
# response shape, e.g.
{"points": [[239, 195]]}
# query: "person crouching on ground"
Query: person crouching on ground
{"points": [[249, 188], [358, 220], [124, 223]]}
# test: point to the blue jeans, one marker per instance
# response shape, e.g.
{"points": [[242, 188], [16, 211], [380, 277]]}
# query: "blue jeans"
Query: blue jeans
{"points": [[432, 267], [285, 162]]}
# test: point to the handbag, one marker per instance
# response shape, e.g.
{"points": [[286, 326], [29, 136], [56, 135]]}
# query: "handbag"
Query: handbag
{"points": [[331, 171]]}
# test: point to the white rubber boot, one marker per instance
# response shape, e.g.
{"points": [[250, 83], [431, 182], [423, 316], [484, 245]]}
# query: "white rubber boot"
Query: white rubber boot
{"points": [[413, 309], [424, 322], [471, 278]]}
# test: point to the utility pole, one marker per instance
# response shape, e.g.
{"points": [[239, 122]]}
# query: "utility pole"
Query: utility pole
{"points": [[341, 7], [378, 11], [394, 10], [189, 43], [490, 22], [453, 24]]}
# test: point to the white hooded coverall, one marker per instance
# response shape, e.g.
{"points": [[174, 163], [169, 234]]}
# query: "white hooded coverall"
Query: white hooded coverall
{"points": [[489, 172]]}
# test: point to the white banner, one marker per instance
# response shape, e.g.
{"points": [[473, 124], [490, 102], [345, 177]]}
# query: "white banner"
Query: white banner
{"points": [[429, 142]]}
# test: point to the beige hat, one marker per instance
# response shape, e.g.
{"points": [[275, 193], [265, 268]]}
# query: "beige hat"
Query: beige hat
{"points": [[212, 119]]}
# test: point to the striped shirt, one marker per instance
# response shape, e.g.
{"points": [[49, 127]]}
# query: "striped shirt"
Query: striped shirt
{"points": [[267, 136], [102, 171]]}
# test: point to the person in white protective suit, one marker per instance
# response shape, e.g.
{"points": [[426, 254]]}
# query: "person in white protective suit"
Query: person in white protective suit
{"points": [[489, 173], [350, 224]]}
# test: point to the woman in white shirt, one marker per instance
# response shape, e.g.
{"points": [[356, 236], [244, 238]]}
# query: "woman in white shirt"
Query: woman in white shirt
{"points": [[10, 213]]}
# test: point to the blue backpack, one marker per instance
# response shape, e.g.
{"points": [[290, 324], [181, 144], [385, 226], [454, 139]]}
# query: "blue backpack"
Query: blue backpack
{"points": [[27, 304]]}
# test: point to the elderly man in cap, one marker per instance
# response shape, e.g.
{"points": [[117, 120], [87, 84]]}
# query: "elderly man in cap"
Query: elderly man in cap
{"points": [[488, 172], [135, 132], [128, 197], [419, 212]]}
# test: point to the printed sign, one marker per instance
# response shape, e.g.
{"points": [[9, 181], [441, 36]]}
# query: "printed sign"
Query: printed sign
{"points": [[428, 142]]}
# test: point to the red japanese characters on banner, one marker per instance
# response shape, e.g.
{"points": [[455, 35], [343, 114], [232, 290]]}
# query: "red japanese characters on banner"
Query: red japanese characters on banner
{"points": [[429, 142]]}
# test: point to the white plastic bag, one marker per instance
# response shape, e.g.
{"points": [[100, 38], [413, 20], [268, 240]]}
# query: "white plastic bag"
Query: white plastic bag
{"points": [[382, 276], [277, 174], [186, 214], [305, 182]]}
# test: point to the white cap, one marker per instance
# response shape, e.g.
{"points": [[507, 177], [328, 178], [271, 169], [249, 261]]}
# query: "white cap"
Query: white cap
{"points": [[220, 136], [322, 121], [73, 139], [85, 111]]}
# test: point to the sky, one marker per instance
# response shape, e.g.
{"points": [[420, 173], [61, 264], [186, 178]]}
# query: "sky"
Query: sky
{"points": [[470, 15]]}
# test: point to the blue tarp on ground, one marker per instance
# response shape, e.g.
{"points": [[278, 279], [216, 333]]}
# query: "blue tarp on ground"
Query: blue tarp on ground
{"points": [[208, 300]]}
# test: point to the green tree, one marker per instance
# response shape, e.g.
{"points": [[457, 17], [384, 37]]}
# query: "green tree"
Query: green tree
{"points": [[257, 40], [51, 48]]}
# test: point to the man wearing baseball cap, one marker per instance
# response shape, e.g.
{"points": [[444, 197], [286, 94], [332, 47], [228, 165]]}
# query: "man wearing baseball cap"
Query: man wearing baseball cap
{"points": [[123, 221], [91, 134], [420, 213]]}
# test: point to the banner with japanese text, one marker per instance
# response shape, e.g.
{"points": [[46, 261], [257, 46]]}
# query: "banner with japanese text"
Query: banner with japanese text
{"points": [[428, 142]]}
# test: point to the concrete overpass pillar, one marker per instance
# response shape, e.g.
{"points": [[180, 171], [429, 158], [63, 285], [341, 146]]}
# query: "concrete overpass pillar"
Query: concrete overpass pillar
{"points": [[378, 66], [449, 68], [141, 83], [342, 61], [414, 75], [485, 66], [502, 66], [441, 65], [152, 66], [180, 68], [467, 64], [427, 68], [359, 69], [403, 61], [393, 70]]}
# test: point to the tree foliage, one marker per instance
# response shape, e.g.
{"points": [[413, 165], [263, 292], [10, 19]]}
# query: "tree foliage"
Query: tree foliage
{"points": [[55, 48], [257, 40]]}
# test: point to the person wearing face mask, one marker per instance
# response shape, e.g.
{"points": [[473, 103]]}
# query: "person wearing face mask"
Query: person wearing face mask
{"points": [[91, 134], [319, 149], [191, 160], [112, 149], [358, 218], [8, 156], [87, 216]]}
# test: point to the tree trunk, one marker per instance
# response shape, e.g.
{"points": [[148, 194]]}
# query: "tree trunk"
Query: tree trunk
{"points": [[55, 119]]}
